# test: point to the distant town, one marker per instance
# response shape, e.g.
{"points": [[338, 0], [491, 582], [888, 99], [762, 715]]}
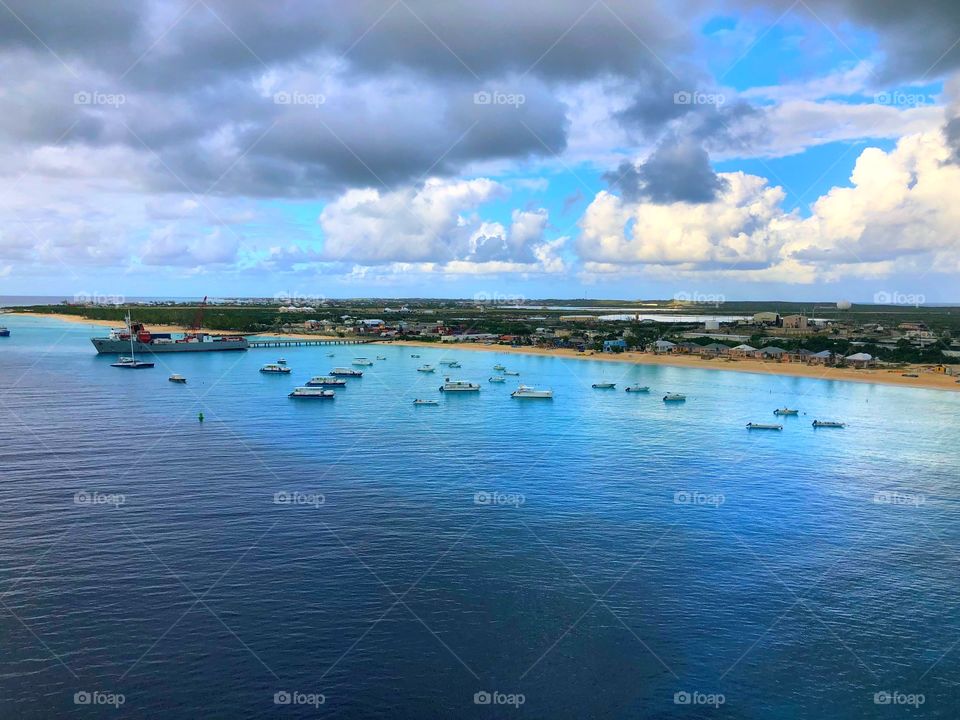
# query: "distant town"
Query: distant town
{"points": [[835, 334]]}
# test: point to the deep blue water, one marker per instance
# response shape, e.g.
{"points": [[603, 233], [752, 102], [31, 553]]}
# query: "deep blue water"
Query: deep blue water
{"points": [[799, 596]]}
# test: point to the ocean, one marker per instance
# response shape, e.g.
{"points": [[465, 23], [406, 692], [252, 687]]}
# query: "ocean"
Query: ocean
{"points": [[599, 555]]}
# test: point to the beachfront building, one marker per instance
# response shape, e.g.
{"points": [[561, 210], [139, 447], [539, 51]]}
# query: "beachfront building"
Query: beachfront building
{"points": [[860, 360], [743, 350], [663, 346], [614, 345], [771, 352], [715, 350], [824, 357]]}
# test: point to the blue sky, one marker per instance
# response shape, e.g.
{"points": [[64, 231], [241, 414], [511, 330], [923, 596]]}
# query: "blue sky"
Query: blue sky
{"points": [[632, 150]]}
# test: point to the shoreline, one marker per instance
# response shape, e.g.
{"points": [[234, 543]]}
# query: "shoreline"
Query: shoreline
{"points": [[926, 380]]}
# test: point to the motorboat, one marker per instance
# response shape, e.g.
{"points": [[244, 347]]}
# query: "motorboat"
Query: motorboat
{"points": [[4, 332], [281, 361], [511, 372], [501, 368], [459, 386], [454, 364], [526, 391], [418, 401], [426, 368], [312, 393], [674, 397], [274, 368], [177, 379], [326, 381], [381, 357], [828, 424], [763, 426], [604, 386], [346, 372], [362, 361], [638, 388], [497, 379], [785, 411], [414, 356]]}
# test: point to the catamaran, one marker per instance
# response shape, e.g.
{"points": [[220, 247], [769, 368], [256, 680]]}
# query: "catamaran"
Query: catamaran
{"points": [[459, 386], [312, 393], [131, 363], [526, 391]]}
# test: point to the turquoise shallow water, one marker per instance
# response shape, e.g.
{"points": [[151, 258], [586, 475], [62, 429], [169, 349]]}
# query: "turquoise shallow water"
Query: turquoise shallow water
{"points": [[635, 555]]}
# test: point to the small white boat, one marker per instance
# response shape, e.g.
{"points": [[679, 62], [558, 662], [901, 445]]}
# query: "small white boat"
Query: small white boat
{"points": [[501, 368], [459, 386], [312, 393], [381, 357], [346, 372], [426, 368], [425, 402], [274, 368], [785, 411], [604, 386], [511, 372], [526, 391], [497, 379], [674, 397], [177, 379], [828, 424], [763, 426], [638, 388], [326, 381], [362, 361], [281, 361]]}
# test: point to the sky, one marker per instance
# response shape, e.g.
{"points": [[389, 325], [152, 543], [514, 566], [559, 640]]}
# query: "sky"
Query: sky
{"points": [[410, 148]]}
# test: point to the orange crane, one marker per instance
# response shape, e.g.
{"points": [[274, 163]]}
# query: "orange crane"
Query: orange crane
{"points": [[198, 319]]}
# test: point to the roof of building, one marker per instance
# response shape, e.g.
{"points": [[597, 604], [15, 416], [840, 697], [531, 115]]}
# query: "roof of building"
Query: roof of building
{"points": [[745, 348], [772, 350], [859, 357]]}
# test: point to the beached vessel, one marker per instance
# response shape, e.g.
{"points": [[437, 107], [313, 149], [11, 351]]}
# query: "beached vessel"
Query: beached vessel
{"points": [[638, 388], [144, 341], [177, 379], [346, 372], [325, 381], [426, 368], [497, 379], [526, 391], [459, 386], [425, 402], [828, 424], [604, 386], [674, 397], [786, 411], [763, 426], [312, 393], [274, 368]]}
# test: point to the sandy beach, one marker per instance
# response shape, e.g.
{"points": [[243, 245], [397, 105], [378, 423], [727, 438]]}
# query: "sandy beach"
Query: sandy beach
{"points": [[926, 379]]}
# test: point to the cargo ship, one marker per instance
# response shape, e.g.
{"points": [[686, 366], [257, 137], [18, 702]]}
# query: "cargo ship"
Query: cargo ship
{"points": [[144, 341]]}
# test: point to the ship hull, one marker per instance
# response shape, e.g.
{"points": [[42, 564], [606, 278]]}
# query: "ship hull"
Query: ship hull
{"points": [[106, 346]]}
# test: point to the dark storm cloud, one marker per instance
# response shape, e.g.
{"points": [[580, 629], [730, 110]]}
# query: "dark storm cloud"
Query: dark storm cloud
{"points": [[952, 132], [676, 171], [197, 79], [918, 38]]}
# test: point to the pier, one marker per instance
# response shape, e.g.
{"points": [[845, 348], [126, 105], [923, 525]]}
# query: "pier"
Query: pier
{"points": [[304, 343]]}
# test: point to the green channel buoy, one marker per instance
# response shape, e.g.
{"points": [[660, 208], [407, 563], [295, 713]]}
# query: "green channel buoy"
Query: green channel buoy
{"points": [[200, 417]]}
